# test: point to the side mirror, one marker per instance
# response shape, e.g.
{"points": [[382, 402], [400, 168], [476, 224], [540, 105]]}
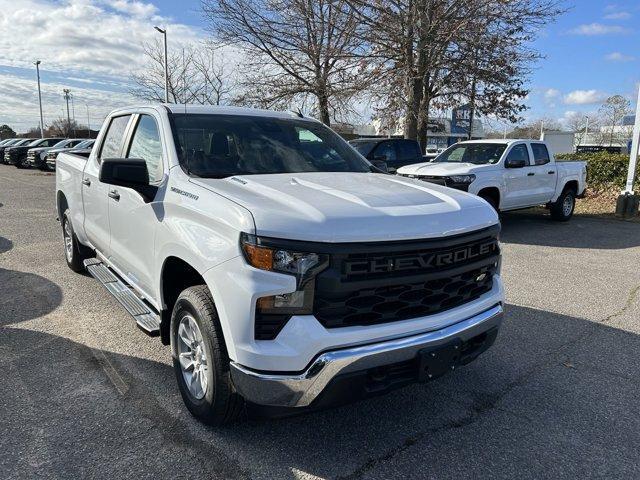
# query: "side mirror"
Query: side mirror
{"points": [[515, 163], [380, 165], [127, 172]]}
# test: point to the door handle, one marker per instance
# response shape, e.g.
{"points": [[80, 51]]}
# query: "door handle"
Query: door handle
{"points": [[551, 172], [530, 174], [86, 182], [114, 194]]}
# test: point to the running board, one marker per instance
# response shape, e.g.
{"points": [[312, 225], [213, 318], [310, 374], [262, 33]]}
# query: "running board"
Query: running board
{"points": [[146, 320]]}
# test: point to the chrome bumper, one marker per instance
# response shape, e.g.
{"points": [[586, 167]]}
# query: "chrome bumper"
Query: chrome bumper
{"points": [[300, 389]]}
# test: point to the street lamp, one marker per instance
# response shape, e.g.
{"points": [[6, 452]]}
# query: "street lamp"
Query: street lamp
{"points": [[166, 67], [37, 64]]}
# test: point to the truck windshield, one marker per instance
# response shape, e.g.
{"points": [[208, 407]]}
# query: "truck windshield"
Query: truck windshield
{"points": [[219, 146], [477, 153]]}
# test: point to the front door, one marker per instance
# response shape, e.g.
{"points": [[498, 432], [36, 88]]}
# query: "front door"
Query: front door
{"points": [[95, 193], [517, 181], [133, 220]]}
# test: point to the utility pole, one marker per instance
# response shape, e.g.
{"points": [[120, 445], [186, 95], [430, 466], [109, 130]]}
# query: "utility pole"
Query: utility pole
{"points": [[66, 97], [73, 115], [88, 121], [40, 98], [166, 66]]}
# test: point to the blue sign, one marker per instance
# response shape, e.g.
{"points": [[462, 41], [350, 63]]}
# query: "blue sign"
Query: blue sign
{"points": [[460, 119]]}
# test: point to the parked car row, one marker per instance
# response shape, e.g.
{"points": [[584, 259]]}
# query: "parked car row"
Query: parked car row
{"points": [[41, 152]]}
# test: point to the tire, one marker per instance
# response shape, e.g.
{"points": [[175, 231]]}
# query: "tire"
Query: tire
{"points": [[562, 209], [74, 253], [215, 401]]}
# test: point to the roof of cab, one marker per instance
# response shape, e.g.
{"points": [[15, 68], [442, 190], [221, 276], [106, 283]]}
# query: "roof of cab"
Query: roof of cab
{"points": [[507, 141], [215, 110]]}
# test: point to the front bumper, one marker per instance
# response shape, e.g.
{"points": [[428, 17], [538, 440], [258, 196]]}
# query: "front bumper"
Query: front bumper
{"points": [[301, 389]]}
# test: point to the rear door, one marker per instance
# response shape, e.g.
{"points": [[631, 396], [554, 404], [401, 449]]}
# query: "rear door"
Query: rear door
{"points": [[95, 193], [133, 221], [546, 173]]}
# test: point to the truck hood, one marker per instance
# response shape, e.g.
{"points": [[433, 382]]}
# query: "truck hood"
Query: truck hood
{"points": [[352, 207], [39, 149], [441, 169]]}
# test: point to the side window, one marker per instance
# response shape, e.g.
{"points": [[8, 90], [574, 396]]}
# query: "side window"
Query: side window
{"points": [[407, 150], [112, 142], [540, 153], [146, 145], [385, 149], [519, 152]]}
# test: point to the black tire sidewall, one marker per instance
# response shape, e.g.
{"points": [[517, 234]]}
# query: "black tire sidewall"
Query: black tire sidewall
{"points": [[559, 210], [199, 407]]}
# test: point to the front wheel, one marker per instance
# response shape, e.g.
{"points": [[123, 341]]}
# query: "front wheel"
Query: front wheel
{"points": [[562, 209], [200, 359]]}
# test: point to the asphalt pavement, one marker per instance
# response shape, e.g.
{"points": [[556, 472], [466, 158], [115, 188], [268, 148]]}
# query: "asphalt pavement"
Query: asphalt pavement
{"points": [[85, 394]]}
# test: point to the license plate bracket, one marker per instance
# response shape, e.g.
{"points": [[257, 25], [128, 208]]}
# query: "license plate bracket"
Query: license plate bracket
{"points": [[435, 362]]}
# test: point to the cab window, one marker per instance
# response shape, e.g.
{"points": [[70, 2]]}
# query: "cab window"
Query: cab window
{"points": [[540, 153], [519, 152], [146, 145], [114, 138], [387, 150]]}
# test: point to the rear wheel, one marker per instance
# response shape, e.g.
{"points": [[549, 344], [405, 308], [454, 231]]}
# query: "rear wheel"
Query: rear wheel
{"points": [[200, 359], [74, 253], [562, 209]]}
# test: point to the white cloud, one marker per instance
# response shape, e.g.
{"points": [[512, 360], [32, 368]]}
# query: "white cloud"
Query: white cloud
{"points": [[95, 45], [83, 36], [138, 9], [619, 57], [584, 97], [19, 100], [618, 16], [551, 93], [598, 29]]}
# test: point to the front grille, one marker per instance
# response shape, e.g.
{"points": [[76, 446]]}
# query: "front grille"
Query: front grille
{"points": [[379, 292]]}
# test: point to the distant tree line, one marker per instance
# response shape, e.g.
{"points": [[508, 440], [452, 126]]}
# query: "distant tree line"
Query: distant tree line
{"points": [[402, 58]]}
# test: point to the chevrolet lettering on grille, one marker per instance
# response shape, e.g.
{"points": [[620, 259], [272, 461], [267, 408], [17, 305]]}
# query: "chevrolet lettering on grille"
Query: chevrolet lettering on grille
{"points": [[428, 260]]}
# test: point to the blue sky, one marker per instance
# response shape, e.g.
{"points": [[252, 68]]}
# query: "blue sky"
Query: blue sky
{"points": [[93, 46]]}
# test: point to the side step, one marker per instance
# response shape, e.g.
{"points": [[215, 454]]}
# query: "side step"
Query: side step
{"points": [[146, 320]]}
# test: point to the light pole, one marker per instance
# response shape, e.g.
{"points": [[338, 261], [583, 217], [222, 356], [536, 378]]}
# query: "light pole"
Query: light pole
{"points": [[37, 63], [66, 97], [166, 66]]}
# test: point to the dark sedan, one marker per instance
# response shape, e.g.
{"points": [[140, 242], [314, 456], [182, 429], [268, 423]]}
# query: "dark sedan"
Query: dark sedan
{"points": [[17, 155]]}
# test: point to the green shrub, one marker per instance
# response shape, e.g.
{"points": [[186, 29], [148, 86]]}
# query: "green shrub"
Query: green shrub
{"points": [[604, 170]]}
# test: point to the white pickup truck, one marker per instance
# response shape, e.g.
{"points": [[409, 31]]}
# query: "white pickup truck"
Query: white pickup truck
{"points": [[281, 267], [509, 174]]}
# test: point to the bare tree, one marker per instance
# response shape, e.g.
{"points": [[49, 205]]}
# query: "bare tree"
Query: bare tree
{"points": [[612, 112], [196, 75], [297, 51], [578, 123], [533, 129], [439, 53]]}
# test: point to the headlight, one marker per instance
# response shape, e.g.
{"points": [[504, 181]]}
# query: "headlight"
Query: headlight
{"points": [[462, 178], [266, 255]]}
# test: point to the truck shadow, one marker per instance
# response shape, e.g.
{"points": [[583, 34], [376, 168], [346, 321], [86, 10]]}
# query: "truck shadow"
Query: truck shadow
{"points": [[539, 389], [25, 296], [534, 227]]}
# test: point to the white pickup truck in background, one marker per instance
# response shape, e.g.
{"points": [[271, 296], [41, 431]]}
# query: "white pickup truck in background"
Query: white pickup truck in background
{"points": [[509, 174]]}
